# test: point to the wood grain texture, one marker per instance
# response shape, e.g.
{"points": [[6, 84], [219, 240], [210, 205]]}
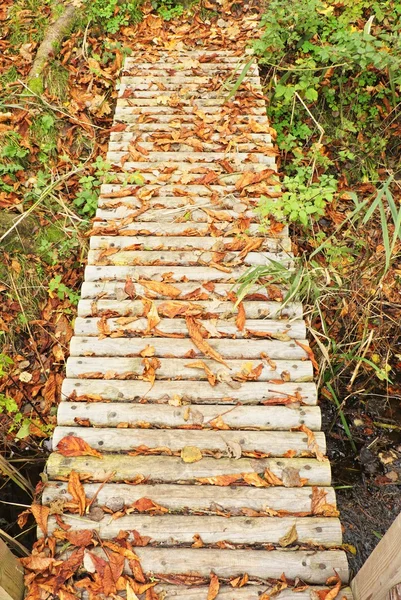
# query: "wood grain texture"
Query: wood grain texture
{"points": [[169, 469], [178, 498], [261, 418], [382, 570]]}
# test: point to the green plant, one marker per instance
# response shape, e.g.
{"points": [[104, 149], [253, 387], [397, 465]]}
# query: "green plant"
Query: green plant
{"points": [[12, 155], [110, 15], [301, 201], [333, 77], [62, 291]]}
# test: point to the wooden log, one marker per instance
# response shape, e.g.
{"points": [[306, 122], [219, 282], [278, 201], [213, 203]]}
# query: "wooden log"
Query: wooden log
{"points": [[249, 592], [179, 498], [179, 368], [172, 530], [184, 347], [170, 469], [224, 443], [284, 330], [193, 229], [192, 289], [184, 118], [263, 418], [184, 258], [197, 215], [217, 244], [11, 575], [382, 570], [117, 137], [182, 392], [193, 157], [189, 189], [253, 309], [312, 567]]}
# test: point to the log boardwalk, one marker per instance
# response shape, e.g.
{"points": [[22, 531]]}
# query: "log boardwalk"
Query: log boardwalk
{"points": [[206, 409]]}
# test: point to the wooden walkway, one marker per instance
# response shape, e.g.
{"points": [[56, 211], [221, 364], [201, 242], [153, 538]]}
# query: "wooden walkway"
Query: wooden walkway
{"points": [[205, 409]]}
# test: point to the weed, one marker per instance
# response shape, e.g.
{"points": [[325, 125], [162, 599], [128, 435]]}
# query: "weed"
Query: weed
{"points": [[301, 200], [62, 291], [110, 15]]}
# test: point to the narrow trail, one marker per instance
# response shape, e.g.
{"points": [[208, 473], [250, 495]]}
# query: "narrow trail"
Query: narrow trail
{"points": [[204, 412]]}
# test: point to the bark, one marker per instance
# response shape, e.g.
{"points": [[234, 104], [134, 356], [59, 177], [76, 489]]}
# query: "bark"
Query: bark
{"points": [[53, 37]]}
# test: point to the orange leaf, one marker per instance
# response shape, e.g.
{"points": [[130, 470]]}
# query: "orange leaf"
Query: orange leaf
{"points": [[148, 505], [241, 317], [164, 289], [213, 587], [254, 479], [222, 480], [309, 352], [196, 336], [199, 364], [271, 478], [41, 514], [76, 490], [71, 445]]}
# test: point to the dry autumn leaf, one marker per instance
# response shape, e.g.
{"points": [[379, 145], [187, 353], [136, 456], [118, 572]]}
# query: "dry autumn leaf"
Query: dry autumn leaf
{"points": [[76, 490], [197, 338], [289, 538], [200, 364], [71, 445], [214, 587], [191, 454], [41, 515], [164, 289]]}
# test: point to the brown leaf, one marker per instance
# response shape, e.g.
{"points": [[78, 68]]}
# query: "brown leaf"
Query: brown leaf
{"points": [[213, 587], [164, 289], [221, 480], [70, 445], [147, 505], [68, 567], [37, 563], [129, 288], [309, 352], [271, 478], [199, 364], [150, 367], [191, 454], [76, 490], [250, 178], [41, 515], [292, 478], [148, 351], [152, 316], [239, 582], [196, 336], [319, 505], [289, 538], [254, 479], [173, 309], [80, 538], [312, 443], [241, 317], [218, 423]]}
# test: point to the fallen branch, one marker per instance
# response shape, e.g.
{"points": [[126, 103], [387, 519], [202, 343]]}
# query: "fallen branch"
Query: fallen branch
{"points": [[53, 37]]}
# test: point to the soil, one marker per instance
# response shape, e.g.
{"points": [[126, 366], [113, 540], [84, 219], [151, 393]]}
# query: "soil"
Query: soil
{"points": [[367, 483]]}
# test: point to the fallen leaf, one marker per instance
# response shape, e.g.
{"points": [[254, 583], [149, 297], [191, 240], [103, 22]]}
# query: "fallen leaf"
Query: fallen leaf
{"points": [[221, 480], [191, 454], [41, 515], [312, 443], [254, 479], [196, 336], [71, 445], [164, 289], [309, 352], [148, 351], [214, 587], [77, 492], [199, 364], [241, 317], [147, 505], [271, 478], [289, 538], [130, 593]]}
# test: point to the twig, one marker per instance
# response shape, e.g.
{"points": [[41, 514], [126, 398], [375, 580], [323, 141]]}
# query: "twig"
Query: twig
{"points": [[320, 128]]}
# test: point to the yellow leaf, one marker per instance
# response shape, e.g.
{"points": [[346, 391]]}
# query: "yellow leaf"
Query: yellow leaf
{"points": [[191, 454]]}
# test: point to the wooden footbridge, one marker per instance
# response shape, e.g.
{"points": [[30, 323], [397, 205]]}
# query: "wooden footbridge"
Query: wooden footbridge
{"points": [[201, 414]]}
